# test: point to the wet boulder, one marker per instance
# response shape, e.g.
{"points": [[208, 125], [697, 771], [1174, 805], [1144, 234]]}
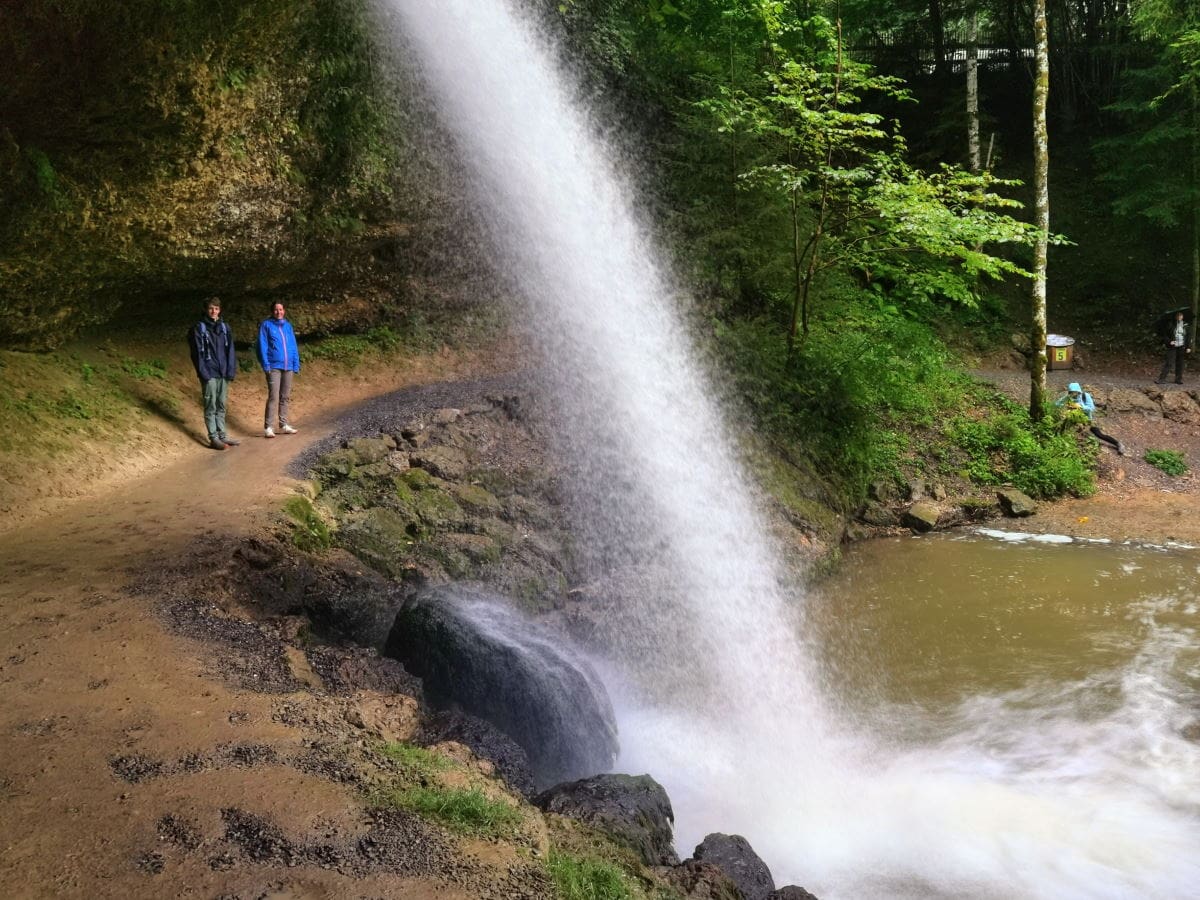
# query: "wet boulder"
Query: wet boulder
{"points": [[734, 856], [634, 809], [791, 892], [475, 652]]}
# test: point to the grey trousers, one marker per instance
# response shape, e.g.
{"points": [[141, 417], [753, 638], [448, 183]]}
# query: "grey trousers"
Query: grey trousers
{"points": [[215, 393], [279, 395]]}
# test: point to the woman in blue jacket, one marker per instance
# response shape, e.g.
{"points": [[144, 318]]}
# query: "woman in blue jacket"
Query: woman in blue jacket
{"points": [[280, 360], [1077, 398]]}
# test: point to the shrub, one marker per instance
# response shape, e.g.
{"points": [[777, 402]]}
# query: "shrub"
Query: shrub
{"points": [[1044, 460], [843, 391], [1169, 461]]}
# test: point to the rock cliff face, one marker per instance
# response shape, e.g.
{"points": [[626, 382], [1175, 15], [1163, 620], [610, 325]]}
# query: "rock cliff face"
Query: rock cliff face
{"points": [[154, 154]]}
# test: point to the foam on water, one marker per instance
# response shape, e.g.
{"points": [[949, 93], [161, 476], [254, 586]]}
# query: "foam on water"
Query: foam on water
{"points": [[717, 695]]}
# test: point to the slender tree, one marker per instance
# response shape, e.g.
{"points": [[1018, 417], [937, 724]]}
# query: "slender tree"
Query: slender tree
{"points": [[1041, 173], [973, 158]]}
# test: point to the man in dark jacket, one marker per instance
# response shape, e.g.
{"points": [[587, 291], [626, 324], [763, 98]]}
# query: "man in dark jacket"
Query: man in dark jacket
{"points": [[216, 365]]}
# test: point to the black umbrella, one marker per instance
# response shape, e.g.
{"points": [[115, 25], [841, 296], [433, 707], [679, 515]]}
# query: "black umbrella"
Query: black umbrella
{"points": [[1165, 322]]}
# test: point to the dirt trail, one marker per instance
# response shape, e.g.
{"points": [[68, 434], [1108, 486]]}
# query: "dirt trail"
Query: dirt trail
{"points": [[89, 675]]}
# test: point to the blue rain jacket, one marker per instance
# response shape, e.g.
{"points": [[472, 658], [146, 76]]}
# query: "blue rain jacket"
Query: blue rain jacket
{"points": [[277, 346]]}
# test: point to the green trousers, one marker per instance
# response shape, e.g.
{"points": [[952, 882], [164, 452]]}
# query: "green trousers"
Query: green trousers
{"points": [[215, 394]]}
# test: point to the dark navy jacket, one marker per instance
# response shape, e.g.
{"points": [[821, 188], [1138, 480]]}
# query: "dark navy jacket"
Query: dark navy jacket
{"points": [[212, 350], [277, 346]]}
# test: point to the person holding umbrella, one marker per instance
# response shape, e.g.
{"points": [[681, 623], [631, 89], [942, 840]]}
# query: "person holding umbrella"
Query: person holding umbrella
{"points": [[1177, 348]]}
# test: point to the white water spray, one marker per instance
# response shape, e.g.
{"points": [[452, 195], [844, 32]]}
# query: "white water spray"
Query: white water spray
{"points": [[720, 700]]}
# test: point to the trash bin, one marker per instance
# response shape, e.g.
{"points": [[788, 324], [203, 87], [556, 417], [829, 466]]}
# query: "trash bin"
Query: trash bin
{"points": [[1060, 352]]}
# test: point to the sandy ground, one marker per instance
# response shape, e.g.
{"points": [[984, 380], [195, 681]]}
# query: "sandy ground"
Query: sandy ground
{"points": [[90, 675]]}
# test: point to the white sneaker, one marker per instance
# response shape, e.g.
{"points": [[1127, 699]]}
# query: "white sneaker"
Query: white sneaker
{"points": [[287, 429], [270, 432]]}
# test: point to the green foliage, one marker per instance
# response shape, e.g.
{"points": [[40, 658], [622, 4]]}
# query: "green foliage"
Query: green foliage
{"points": [[355, 349], [1043, 459], [1170, 461], [143, 369], [842, 393], [467, 811], [579, 878], [71, 406], [309, 533], [851, 200]]}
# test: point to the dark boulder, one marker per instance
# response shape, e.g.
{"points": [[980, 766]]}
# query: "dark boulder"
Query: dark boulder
{"points": [[634, 809], [791, 892], [734, 856], [486, 741], [474, 651]]}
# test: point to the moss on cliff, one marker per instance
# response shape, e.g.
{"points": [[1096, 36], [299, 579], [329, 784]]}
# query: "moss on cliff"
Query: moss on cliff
{"points": [[157, 152]]}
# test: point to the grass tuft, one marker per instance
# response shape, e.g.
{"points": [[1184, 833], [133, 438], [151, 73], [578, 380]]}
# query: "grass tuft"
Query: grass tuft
{"points": [[577, 878], [465, 810]]}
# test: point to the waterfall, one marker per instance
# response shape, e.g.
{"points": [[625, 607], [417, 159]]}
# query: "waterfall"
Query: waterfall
{"points": [[716, 694]]}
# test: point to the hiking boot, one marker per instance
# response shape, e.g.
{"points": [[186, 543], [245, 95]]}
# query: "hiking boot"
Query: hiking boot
{"points": [[216, 443], [287, 429], [270, 432], [229, 442], [1160, 381], [1179, 381]]}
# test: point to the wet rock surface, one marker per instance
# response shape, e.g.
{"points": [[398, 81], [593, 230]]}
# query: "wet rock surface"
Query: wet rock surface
{"points": [[471, 650], [486, 741], [734, 856], [633, 809]]}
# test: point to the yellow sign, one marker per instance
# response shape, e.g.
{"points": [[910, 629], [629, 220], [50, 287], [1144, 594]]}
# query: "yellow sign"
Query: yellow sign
{"points": [[1060, 354]]}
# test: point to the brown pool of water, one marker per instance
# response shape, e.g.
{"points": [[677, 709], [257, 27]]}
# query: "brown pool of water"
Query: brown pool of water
{"points": [[934, 620]]}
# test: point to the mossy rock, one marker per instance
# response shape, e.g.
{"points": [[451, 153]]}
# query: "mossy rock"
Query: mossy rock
{"points": [[431, 507], [445, 462], [381, 538], [335, 465], [476, 498], [373, 470], [370, 450]]}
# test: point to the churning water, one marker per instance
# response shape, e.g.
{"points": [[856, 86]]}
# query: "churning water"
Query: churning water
{"points": [[718, 694]]}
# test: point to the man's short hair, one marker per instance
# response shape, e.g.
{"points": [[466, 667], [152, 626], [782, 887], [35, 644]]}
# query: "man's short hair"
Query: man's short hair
{"points": [[211, 302]]}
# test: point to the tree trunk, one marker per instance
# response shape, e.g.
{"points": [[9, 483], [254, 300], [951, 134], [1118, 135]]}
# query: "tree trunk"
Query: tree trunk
{"points": [[938, 26], [1041, 190], [973, 159], [1195, 216]]}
